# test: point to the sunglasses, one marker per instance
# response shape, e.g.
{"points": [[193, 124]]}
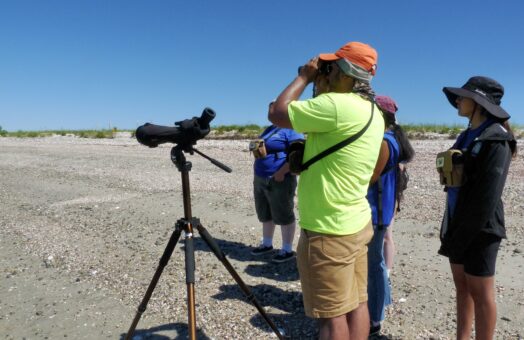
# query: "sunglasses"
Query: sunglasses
{"points": [[325, 68]]}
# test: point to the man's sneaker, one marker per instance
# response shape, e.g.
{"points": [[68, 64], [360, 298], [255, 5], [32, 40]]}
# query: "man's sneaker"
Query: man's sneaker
{"points": [[261, 250], [283, 256]]}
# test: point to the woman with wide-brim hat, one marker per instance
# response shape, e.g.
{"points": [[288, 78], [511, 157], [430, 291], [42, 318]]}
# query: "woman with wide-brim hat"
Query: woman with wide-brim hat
{"points": [[473, 224]]}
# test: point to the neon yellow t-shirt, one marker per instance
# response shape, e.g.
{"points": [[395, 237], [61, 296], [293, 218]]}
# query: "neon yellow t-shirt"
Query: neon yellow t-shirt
{"points": [[332, 192]]}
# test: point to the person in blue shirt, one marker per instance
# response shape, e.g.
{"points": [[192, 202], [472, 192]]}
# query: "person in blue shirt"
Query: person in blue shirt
{"points": [[383, 199], [274, 191], [473, 223]]}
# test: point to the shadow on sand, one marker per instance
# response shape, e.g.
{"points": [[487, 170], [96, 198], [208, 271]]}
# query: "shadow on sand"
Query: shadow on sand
{"points": [[284, 308], [177, 331]]}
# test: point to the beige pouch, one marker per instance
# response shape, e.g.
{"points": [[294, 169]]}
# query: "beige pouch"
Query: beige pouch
{"points": [[258, 148], [450, 166]]}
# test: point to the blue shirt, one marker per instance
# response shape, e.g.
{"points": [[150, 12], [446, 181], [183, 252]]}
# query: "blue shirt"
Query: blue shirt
{"points": [[464, 140], [277, 141], [389, 185]]}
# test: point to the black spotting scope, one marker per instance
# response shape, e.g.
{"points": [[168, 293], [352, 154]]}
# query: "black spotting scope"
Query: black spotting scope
{"points": [[187, 131]]}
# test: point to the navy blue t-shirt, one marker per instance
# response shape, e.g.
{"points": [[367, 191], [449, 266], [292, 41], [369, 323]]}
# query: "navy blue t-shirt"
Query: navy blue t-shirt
{"points": [[277, 141], [463, 142]]}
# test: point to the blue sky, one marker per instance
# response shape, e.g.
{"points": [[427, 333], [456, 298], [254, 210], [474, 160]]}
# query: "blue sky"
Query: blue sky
{"points": [[93, 64]]}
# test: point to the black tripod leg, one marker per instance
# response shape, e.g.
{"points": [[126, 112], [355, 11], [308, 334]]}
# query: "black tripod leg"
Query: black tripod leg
{"points": [[162, 263], [245, 289]]}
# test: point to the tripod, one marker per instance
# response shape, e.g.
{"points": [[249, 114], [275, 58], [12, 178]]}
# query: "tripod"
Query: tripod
{"points": [[188, 224]]}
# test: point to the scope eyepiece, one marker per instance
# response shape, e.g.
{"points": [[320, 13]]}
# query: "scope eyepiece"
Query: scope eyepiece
{"points": [[207, 116]]}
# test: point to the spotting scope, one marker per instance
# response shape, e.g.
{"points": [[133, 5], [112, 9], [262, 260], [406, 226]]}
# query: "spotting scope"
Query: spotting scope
{"points": [[186, 132]]}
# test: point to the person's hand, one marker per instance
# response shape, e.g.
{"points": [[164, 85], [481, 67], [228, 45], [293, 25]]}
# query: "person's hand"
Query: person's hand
{"points": [[309, 70], [279, 176]]}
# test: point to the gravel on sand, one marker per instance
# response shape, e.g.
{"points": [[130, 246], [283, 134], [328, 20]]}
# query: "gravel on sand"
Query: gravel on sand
{"points": [[83, 224]]}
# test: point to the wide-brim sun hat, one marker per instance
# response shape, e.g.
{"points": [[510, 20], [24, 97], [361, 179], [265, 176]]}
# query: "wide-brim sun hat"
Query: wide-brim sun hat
{"points": [[355, 59], [484, 91]]}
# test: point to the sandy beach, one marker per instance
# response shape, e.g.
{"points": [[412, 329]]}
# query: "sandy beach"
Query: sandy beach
{"points": [[84, 222]]}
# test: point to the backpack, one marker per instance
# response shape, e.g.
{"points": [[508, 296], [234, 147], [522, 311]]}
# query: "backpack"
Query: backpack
{"points": [[402, 182]]}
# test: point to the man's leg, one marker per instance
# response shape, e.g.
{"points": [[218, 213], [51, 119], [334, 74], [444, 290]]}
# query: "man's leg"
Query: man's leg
{"points": [[268, 230], [358, 319], [281, 201], [288, 233], [333, 328], [358, 322], [464, 303]]}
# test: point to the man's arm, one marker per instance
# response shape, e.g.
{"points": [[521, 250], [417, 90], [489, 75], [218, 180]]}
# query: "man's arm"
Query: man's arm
{"points": [[278, 113]]}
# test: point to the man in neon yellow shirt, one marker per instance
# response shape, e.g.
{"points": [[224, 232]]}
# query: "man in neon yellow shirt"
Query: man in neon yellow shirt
{"points": [[334, 214]]}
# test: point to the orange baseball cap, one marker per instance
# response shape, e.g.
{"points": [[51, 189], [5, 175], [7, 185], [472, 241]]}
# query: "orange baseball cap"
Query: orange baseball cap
{"points": [[357, 53]]}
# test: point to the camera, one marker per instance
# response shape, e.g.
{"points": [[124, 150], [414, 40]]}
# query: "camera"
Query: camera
{"points": [[258, 148], [325, 68], [450, 166], [295, 155]]}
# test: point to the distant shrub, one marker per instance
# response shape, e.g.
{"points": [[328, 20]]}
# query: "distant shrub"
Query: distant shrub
{"points": [[3, 132], [103, 134], [33, 134], [237, 131]]}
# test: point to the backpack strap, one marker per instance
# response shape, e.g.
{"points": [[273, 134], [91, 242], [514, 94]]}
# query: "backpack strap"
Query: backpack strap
{"points": [[341, 144]]}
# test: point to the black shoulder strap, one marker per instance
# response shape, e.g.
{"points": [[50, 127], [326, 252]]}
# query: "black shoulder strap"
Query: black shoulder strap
{"points": [[342, 144], [380, 222]]}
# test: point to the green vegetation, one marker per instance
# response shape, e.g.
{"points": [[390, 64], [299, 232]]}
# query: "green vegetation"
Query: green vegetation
{"points": [[237, 131], [48, 133], [423, 131], [518, 130], [250, 131]]}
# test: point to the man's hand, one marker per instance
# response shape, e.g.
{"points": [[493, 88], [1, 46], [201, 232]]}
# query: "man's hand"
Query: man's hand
{"points": [[309, 70], [278, 114], [280, 174]]}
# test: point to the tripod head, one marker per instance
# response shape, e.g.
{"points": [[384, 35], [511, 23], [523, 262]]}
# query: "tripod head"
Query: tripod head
{"points": [[186, 134]]}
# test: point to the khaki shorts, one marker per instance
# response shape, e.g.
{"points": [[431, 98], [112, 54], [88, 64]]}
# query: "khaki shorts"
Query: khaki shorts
{"points": [[333, 271]]}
